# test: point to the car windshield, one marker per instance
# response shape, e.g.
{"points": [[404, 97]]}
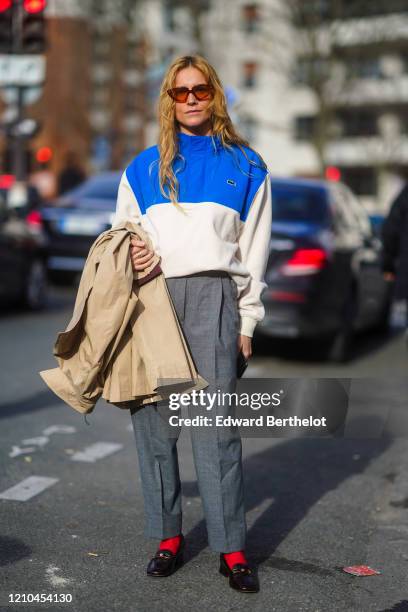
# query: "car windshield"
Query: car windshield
{"points": [[299, 203], [96, 188]]}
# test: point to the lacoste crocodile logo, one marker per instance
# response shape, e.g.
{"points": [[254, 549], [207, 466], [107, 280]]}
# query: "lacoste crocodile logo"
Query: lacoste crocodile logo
{"points": [[231, 182]]}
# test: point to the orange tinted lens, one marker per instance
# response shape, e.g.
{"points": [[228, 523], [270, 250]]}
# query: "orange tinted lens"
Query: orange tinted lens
{"points": [[179, 94], [202, 92]]}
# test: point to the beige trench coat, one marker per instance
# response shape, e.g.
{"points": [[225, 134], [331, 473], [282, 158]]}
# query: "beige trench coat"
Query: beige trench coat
{"points": [[124, 341]]}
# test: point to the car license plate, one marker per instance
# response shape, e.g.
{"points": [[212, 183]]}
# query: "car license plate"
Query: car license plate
{"points": [[81, 225]]}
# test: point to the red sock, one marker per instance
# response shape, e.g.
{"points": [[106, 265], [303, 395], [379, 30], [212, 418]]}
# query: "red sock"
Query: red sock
{"points": [[235, 557], [171, 544]]}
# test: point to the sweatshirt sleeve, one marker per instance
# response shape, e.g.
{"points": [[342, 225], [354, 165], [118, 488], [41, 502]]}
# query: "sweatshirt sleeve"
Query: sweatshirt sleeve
{"points": [[127, 207], [253, 251]]}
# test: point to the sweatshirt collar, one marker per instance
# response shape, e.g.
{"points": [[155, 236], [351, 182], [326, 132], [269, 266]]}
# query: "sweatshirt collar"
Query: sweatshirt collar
{"points": [[191, 145]]}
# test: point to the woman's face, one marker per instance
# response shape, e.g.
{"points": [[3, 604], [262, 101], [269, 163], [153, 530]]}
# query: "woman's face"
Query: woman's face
{"points": [[193, 115]]}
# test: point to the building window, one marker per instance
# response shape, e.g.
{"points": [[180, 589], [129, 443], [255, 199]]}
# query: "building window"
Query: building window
{"points": [[368, 9], [362, 181], [308, 13], [364, 68], [132, 124], [249, 74], [131, 54], [309, 70], [358, 123], [404, 58], [403, 119], [130, 102], [133, 77], [100, 119], [101, 73], [100, 96], [304, 127], [250, 18], [101, 48]]}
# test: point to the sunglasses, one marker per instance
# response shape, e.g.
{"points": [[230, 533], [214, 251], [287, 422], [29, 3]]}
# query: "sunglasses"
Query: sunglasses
{"points": [[200, 92]]}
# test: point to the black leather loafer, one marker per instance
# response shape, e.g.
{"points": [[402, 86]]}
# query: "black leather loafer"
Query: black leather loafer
{"points": [[165, 563], [241, 576]]}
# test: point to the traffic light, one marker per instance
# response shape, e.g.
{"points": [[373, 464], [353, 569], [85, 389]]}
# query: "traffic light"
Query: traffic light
{"points": [[333, 173], [33, 27], [43, 155], [6, 26]]}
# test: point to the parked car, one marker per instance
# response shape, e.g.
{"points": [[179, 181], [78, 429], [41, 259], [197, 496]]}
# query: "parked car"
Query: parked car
{"points": [[74, 220], [23, 251], [323, 274]]}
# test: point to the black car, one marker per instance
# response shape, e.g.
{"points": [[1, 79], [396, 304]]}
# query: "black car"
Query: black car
{"points": [[74, 220], [324, 270], [23, 252]]}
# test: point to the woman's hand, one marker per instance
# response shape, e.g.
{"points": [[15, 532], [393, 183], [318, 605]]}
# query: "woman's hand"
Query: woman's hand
{"points": [[245, 346], [140, 257]]}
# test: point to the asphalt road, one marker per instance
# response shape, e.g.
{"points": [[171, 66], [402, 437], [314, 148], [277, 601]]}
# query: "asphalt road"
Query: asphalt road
{"points": [[313, 505]]}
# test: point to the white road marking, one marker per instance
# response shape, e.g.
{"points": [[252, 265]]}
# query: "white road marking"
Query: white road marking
{"points": [[38, 441], [96, 451], [28, 488], [55, 581], [17, 450], [65, 429], [41, 440]]}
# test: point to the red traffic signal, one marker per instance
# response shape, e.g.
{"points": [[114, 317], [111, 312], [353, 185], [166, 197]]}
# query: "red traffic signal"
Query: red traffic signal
{"points": [[6, 180], [333, 173], [33, 27], [6, 26], [4, 5], [34, 6], [43, 154]]}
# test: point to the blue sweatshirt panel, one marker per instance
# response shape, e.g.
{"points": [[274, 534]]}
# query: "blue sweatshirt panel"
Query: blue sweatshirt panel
{"points": [[206, 171]]}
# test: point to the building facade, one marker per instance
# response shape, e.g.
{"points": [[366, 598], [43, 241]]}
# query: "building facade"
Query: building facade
{"points": [[93, 100], [320, 92], [309, 94]]}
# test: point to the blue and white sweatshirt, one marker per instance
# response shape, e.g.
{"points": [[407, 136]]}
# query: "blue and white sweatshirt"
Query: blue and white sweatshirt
{"points": [[228, 221]]}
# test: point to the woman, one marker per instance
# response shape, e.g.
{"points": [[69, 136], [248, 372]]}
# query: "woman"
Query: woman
{"points": [[204, 198]]}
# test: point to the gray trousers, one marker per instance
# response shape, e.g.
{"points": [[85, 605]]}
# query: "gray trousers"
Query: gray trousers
{"points": [[206, 305]]}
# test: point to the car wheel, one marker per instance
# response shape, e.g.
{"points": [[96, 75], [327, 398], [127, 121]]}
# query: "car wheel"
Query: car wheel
{"points": [[35, 290], [339, 345]]}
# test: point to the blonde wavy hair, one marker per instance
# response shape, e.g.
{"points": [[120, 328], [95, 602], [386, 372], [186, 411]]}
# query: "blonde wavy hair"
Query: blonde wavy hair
{"points": [[222, 125]]}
